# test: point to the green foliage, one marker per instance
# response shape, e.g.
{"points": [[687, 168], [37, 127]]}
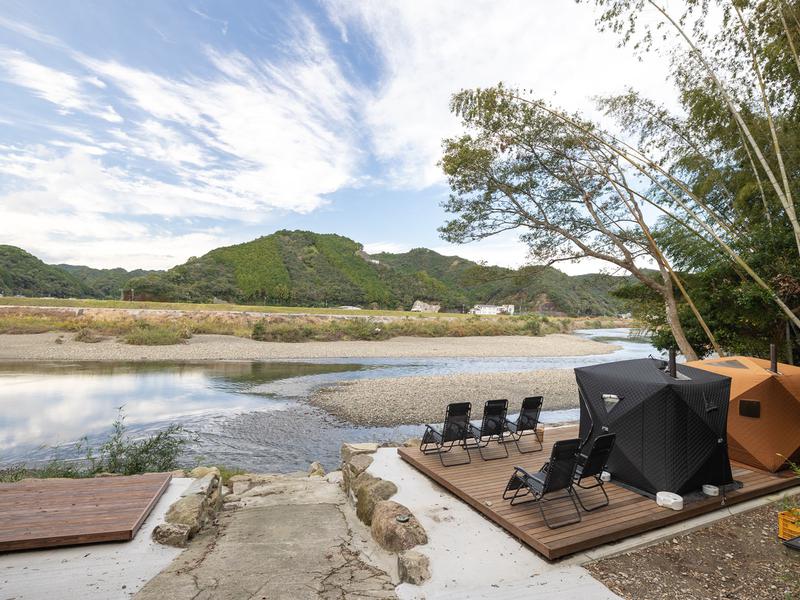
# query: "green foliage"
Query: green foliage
{"points": [[24, 274], [120, 454], [307, 269], [145, 333]]}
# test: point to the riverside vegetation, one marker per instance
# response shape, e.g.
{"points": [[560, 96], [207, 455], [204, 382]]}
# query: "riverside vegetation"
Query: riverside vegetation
{"points": [[164, 330]]}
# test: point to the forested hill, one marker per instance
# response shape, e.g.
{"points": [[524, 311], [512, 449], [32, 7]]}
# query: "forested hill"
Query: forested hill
{"points": [[309, 269]]}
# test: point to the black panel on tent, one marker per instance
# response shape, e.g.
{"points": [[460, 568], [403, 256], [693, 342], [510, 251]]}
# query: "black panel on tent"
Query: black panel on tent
{"points": [[671, 432]]}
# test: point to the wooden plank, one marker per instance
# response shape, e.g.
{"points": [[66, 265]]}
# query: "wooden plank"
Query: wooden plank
{"points": [[481, 483], [44, 513]]}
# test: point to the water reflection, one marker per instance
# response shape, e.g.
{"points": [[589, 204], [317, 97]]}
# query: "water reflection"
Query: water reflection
{"points": [[245, 414]]}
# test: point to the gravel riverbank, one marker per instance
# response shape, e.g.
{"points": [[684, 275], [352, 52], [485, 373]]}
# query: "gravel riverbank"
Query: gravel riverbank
{"points": [[56, 346], [410, 400]]}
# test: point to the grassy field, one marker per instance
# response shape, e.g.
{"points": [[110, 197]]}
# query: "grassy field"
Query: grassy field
{"points": [[273, 324], [90, 303]]}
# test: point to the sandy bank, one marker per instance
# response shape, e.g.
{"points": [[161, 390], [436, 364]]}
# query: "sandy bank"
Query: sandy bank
{"points": [[44, 346], [410, 400]]}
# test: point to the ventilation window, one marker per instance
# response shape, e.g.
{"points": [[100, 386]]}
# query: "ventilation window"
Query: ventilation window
{"points": [[610, 400], [730, 364], [750, 408], [710, 403]]}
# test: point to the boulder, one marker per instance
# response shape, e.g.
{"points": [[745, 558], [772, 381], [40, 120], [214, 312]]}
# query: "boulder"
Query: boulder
{"points": [[413, 567], [353, 468], [369, 495], [197, 505], [172, 534], [350, 450], [199, 472], [334, 477], [316, 470], [393, 534], [412, 443], [365, 478], [178, 473]]}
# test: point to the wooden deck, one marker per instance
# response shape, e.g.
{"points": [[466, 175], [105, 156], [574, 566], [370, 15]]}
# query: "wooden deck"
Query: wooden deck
{"points": [[42, 513], [481, 485]]}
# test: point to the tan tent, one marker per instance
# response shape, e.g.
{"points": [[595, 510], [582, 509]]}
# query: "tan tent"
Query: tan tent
{"points": [[764, 414]]}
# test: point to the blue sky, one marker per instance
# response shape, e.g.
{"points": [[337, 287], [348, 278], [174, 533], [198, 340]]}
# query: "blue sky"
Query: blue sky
{"points": [[137, 134]]}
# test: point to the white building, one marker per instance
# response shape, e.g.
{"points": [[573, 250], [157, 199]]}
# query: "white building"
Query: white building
{"points": [[492, 309]]}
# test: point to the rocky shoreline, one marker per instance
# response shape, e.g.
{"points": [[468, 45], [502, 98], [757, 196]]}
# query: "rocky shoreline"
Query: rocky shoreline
{"points": [[395, 401]]}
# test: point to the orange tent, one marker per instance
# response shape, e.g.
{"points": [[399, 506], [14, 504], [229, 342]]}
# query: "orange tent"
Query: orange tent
{"points": [[764, 413]]}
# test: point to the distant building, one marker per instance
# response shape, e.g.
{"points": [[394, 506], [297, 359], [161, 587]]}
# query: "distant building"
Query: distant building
{"points": [[492, 309], [420, 306]]}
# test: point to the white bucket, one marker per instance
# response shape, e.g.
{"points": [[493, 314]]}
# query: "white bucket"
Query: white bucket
{"points": [[669, 500], [711, 490], [605, 476]]}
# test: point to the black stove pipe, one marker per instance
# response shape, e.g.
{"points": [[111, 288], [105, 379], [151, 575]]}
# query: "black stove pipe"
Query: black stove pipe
{"points": [[773, 358], [673, 368]]}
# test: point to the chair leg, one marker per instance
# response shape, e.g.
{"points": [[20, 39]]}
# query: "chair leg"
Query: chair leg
{"points": [[535, 436], [599, 484], [454, 464], [571, 496], [500, 442]]}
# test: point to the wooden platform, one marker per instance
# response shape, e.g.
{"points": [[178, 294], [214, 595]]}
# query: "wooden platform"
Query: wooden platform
{"points": [[481, 485], [43, 513]]}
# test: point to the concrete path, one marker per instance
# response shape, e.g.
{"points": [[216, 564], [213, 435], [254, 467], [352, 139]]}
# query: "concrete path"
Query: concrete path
{"points": [[94, 571], [470, 556], [289, 538]]}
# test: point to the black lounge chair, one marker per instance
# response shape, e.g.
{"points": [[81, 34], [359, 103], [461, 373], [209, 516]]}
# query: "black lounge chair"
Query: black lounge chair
{"points": [[455, 432], [556, 475], [591, 464], [493, 427], [527, 423]]}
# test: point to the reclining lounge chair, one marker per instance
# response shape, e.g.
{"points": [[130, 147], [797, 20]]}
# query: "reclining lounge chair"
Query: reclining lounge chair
{"points": [[591, 463], [454, 432], [527, 423], [556, 475], [493, 427]]}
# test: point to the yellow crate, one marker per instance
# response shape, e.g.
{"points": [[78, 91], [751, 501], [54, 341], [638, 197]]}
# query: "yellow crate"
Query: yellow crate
{"points": [[789, 524]]}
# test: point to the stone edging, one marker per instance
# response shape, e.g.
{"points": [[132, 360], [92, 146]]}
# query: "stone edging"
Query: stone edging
{"points": [[393, 526], [196, 507]]}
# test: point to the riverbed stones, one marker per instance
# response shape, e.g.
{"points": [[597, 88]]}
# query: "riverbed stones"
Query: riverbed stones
{"points": [[413, 567], [350, 450], [393, 534], [369, 495]]}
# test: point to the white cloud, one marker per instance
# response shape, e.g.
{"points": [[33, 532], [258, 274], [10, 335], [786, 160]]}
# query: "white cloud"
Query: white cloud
{"points": [[52, 85], [433, 49]]}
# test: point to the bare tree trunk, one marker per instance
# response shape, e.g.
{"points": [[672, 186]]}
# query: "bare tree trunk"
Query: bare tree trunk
{"points": [[674, 320]]}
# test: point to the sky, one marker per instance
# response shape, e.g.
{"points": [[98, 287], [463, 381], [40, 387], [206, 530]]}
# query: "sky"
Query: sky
{"points": [[140, 133]]}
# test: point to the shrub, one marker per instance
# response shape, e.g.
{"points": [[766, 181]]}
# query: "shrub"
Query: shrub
{"points": [[145, 333], [88, 336]]}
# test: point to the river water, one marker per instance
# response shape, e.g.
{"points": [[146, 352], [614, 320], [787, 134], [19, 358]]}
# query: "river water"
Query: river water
{"points": [[251, 415]]}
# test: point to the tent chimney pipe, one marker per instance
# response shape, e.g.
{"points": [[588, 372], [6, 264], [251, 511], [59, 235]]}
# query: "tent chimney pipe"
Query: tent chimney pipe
{"points": [[773, 358], [673, 369]]}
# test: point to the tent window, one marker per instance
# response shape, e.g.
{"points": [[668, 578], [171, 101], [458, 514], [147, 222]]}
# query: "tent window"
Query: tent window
{"points": [[610, 400], [750, 408], [711, 404]]}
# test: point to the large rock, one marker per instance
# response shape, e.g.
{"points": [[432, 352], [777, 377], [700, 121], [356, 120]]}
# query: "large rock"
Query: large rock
{"points": [[353, 468], [172, 534], [198, 505], [316, 470], [394, 535], [369, 495], [200, 472], [413, 567], [350, 450]]}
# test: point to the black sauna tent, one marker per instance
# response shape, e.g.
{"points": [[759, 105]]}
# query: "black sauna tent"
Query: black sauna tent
{"points": [[671, 432]]}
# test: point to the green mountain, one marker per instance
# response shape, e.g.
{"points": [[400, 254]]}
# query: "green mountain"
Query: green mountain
{"points": [[104, 283], [24, 274], [303, 268]]}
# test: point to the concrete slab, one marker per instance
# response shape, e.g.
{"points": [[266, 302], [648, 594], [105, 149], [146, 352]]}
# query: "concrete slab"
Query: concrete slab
{"points": [[92, 572], [470, 556]]}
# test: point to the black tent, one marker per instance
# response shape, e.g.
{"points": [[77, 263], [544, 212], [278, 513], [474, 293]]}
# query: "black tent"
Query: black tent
{"points": [[671, 432]]}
